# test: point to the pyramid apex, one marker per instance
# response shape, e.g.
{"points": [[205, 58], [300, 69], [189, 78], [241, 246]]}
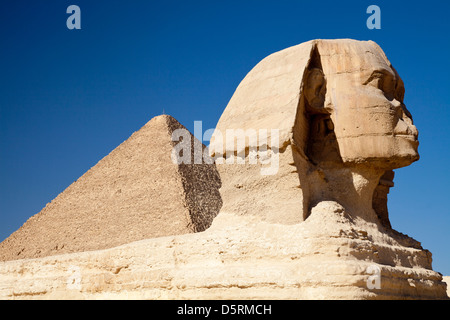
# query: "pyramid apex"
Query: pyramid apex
{"points": [[164, 121], [163, 118]]}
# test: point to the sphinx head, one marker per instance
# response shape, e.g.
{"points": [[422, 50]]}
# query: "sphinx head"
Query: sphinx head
{"points": [[354, 96], [338, 108]]}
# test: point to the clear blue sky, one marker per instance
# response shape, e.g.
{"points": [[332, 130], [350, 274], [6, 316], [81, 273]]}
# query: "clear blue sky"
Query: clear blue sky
{"points": [[69, 97]]}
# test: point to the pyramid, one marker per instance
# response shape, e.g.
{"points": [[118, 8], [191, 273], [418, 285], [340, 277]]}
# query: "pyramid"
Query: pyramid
{"points": [[136, 192]]}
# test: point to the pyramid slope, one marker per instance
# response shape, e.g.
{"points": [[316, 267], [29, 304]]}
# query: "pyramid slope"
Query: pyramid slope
{"points": [[134, 193]]}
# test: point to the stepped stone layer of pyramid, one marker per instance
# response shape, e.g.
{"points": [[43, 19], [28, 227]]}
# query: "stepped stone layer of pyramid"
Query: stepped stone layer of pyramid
{"points": [[134, 193]]}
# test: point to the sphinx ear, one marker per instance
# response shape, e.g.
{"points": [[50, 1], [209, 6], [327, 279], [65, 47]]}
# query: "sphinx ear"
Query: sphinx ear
{"points": [[314, 90]]}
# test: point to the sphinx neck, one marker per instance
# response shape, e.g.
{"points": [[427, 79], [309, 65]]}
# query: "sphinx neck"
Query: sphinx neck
{"points": [[351, 186]]}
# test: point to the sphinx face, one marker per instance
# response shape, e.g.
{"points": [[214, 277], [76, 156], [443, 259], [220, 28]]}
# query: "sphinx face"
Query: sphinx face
{"points": [[364, 98]]}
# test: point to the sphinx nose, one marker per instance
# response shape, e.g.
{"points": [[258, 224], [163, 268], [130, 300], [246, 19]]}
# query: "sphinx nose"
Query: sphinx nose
{"points": [[405, 127], [405, 124], [414, 130]]}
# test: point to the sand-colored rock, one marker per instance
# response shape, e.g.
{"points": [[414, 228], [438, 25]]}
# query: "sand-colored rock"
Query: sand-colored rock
{"points": [[327, 257], [447, 281], [134, 193]]}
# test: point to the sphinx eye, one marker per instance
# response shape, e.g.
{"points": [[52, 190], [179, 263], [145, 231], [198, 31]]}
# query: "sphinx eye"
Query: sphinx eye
{"points": [[384, 82], [375, 80]]}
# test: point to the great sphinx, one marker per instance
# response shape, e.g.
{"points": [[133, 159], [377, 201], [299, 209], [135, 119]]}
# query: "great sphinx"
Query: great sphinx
{"points": [[343, 128]]}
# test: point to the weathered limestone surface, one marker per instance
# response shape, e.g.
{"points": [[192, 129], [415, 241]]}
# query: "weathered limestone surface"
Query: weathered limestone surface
{"points": [[239, 257], [447, 281], [318, 228], [134, 193]]}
